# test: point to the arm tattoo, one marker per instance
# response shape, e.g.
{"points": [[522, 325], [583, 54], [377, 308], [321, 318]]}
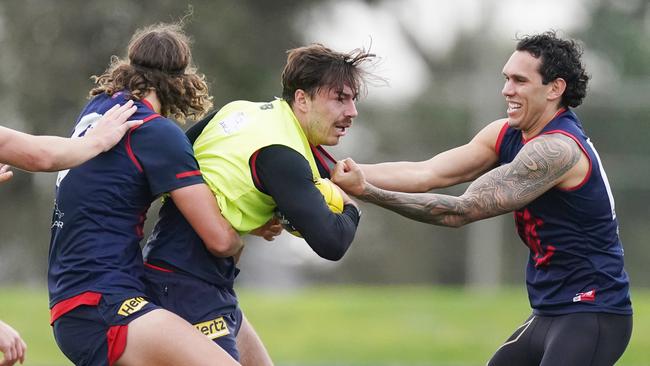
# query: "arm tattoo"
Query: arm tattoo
{"points": [[537, 168]]}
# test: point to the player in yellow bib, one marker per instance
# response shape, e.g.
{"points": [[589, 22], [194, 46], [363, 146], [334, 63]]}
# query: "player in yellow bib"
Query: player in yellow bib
{"points": [[259, 158]]}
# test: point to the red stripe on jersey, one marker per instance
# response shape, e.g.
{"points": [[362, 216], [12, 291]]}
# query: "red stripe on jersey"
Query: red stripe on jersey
{"points": [[65, 306], [497, 146], [586, 178], [116, 339], [149, 118], [129, 150], [188, 174], [320, 155], [147, 103], [256, 179], [147, 264], [327, 155]]}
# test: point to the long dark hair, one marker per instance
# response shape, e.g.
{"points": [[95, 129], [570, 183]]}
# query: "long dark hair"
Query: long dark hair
{"points": [[160, 59]]}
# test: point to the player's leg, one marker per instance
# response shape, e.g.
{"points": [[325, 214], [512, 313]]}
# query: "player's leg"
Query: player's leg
{"points": [[163, 338], [587, 339], [251, 349], [615, 333], [524, 346]]}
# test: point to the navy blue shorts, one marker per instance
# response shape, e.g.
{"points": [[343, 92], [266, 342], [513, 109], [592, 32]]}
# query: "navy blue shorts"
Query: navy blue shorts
{"points": [[211, 309], [91, 330]]}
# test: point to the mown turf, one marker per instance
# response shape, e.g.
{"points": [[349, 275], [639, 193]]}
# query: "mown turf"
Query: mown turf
{"points": [[355, 326]]}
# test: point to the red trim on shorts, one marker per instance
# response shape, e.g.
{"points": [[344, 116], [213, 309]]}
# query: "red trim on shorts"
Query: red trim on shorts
{"points": [[190, 173], [497, 145], [65, 306], [116, 339], [152, 266], [129, 150]]}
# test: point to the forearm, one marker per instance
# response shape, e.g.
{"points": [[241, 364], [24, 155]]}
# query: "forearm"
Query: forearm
{"points": [[287, 177], [58, 153], [47, 153], [435, 209], [490, 195], [200, 209], [331, 237], [402, 176]]}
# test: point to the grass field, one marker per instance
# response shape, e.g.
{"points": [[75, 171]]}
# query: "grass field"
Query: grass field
{"points": [[355, 326]]}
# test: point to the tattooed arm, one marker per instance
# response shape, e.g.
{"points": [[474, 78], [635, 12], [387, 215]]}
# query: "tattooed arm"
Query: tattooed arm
{"points": [[542, 163]]}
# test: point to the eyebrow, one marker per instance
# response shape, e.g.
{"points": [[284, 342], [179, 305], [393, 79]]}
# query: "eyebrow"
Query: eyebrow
{"points": [[516, 76], [343, 94]]}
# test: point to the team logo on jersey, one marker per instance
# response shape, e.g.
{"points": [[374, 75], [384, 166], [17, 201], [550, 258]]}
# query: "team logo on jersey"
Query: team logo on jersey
{"points": [[585, 296], [233, 123], [132, 305], [58, 217], [213, 328]]}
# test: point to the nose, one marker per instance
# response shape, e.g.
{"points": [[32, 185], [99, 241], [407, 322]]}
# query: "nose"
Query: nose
{"points": [[508, 89], [351, 111]]}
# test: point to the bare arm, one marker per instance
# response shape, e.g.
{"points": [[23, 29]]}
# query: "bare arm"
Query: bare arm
{"points": [[52, 153], [200, 208], [448, 168], [542, 164]]}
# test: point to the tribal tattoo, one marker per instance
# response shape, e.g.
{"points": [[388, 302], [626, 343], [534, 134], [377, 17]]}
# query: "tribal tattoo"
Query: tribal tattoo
{"points": [[536, 169]]}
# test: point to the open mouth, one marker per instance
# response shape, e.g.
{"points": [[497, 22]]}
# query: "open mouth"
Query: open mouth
{"points": [[513, 107]]}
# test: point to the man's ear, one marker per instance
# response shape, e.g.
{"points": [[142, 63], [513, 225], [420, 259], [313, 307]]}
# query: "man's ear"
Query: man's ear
{"points": [[301, 100], [558, 86]]}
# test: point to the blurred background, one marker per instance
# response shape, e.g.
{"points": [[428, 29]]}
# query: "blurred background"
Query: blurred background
{"points": [[443, 62]]}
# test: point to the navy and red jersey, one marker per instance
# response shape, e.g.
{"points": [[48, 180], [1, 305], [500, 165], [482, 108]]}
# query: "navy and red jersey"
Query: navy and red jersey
{"points": [[100, 206], [576, 256]]}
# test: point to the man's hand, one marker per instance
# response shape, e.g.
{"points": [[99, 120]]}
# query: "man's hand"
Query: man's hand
{"points": [[110, 129], [270, 230], [5, 173], [11, 345], [349, 177]]}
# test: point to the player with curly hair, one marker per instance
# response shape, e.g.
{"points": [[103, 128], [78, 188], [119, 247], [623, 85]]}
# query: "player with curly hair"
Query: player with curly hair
{"points": [[99, 310]]}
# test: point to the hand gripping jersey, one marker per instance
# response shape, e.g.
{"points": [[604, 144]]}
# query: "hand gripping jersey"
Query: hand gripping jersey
{"points": [[225, 151], [576, 257], [101, 205]]}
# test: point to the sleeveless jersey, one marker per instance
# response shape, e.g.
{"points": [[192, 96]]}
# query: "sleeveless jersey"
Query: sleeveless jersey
{"points": [[225, 151], [100, 206], [576, 256]]}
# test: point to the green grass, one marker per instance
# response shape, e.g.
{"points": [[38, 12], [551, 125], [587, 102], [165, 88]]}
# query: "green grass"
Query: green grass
{"points": [[355, 325]]}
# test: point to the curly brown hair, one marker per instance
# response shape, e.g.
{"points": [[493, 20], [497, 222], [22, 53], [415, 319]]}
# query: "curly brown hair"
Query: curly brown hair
{"points": [[159, 59]]}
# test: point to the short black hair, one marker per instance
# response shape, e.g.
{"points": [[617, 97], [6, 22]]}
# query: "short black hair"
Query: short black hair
{"points": [[560, 59]]}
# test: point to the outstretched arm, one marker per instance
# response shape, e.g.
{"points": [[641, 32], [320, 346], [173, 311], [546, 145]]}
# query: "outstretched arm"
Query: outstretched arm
{"points": [[52, 153], [542, 164], [451, 167]]}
